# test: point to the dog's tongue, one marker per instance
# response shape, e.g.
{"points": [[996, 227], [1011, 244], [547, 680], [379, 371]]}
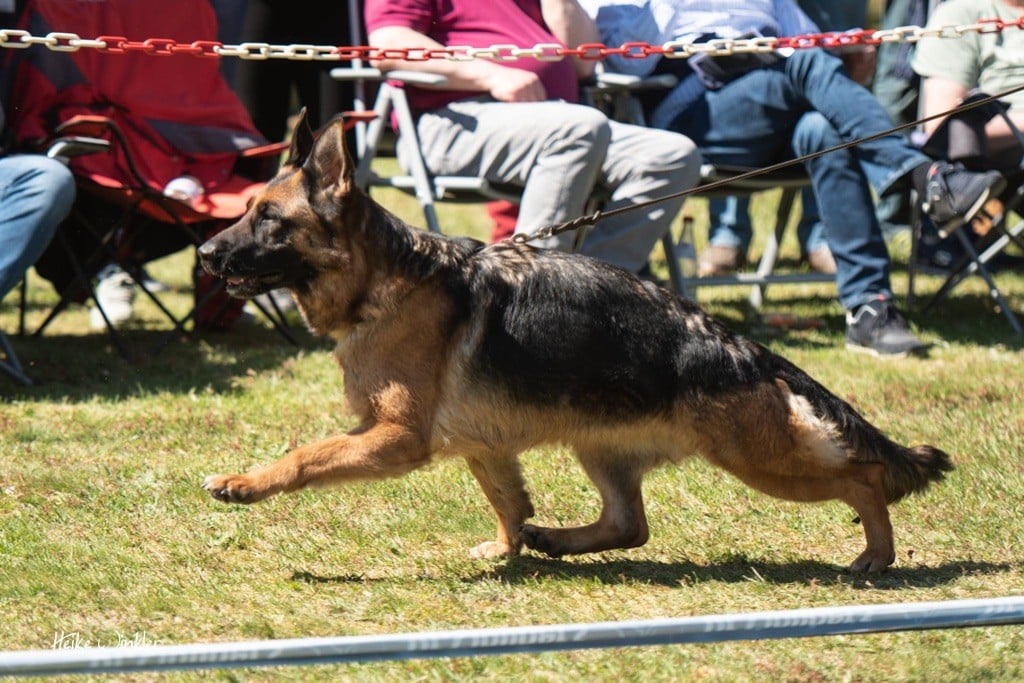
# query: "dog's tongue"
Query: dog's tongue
{"points": [[235, 280]]}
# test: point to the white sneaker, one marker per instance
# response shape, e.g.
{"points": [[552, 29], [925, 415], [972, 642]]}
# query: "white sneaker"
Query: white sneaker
{"points": [[115, 291]]}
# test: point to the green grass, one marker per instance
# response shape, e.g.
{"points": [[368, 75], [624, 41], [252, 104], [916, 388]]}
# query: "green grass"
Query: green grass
{"points": [[106, 534]]}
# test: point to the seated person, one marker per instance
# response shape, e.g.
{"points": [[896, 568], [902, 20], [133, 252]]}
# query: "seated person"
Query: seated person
{"points": [[36, 194], [179, 119], [757, 109], [731, 230], [950, 69], [518, 122], [990, 62]]}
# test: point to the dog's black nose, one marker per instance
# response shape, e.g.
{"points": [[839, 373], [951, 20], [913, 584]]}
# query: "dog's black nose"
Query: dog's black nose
{"points": [[208, 250]]}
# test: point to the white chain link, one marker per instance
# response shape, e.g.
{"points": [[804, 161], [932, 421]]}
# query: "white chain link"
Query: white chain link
{"points": [[549, 52]]}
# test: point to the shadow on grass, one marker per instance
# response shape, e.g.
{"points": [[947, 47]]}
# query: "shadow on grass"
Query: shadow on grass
{"points": [[77, 367], [530, 570], [967, 318], [737, 569]]}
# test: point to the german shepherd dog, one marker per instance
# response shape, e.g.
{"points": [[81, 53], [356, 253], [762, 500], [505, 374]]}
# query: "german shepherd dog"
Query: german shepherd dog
{"points": [[453, 347]]}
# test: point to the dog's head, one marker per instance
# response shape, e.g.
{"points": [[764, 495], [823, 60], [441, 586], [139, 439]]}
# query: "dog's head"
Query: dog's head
{"points": [[291, 230]]}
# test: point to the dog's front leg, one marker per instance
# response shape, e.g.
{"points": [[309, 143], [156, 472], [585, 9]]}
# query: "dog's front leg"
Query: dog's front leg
{"points": [[376, 452]]}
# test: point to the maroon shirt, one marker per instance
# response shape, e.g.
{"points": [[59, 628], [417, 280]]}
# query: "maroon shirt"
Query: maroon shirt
{"points": [[476, 23]]}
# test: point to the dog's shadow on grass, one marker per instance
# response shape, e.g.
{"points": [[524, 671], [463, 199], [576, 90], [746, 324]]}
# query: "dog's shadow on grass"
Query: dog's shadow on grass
{"points": [[530, 570], [738, 569]]}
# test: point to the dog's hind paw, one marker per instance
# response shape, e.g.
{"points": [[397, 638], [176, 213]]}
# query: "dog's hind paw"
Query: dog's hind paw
{"points": [[537, 538], [493, 550], [869, 562], [232, 488]]}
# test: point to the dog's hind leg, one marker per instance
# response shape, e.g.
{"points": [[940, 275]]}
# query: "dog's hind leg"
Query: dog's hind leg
{"points": [[622, 524], [866, 495], [502, 481]]}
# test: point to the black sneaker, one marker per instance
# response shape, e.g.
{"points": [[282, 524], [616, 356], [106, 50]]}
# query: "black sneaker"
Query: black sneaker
{"points": [[954, 195], [880, 329]]}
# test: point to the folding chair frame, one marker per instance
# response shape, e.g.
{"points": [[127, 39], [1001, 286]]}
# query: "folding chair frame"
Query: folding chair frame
{"points": [[426, 187], [10, 364], [977, 255], [106, 250]]}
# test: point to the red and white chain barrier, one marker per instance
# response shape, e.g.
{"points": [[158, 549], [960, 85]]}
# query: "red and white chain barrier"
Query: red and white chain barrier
{"points": [[72, 42]]}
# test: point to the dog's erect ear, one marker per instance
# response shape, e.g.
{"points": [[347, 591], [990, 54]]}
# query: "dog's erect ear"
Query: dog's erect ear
{"points": [[328, 163], [302, 141]]}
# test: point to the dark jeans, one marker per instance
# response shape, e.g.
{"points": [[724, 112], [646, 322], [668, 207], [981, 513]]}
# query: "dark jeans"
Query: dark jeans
{"points": [[798, 106]]}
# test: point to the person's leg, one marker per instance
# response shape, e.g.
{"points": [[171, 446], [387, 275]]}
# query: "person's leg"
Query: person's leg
{"points": [[747, 124], [553, 150], [847, 209], [641, 164], [873, 323], [821, 82], [730, 222], [36, 194], [728, 237], [953, 195], [810, 233]]}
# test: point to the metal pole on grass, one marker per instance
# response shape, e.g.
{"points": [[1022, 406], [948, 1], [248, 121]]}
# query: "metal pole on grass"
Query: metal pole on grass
{"points": [[799, 623]]}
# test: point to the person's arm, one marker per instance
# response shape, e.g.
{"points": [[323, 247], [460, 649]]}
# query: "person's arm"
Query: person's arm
{"points": [[940, 94], [568, 22], [503, 83]]}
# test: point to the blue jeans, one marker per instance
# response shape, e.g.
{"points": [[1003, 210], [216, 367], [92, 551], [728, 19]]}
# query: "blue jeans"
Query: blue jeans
{"points": [[35, 196], [800, 105], [731, 226]]}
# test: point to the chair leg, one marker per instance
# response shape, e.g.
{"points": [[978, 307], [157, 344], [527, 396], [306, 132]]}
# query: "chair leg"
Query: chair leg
{"points": [[22, 304], [10, 365], [278, 320], [915, 248], [766, 266], [976, 265], [675, 272], [80, 278]]}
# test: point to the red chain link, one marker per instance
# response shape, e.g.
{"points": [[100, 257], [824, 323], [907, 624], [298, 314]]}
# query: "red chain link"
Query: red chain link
{"points": [[590, 51]]}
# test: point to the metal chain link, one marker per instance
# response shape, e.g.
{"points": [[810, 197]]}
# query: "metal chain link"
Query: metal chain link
{"points": [[71, 42]]}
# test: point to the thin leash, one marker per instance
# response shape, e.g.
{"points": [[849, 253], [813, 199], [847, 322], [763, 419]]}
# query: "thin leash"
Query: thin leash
{"points": [[589, 220]]}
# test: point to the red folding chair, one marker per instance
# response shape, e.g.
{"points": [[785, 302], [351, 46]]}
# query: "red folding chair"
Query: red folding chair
{"points": [[165, 118]]}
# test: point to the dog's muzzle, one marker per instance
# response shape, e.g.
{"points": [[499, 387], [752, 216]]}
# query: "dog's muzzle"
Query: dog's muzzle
{"points": [[242, 279], [248, 268]]}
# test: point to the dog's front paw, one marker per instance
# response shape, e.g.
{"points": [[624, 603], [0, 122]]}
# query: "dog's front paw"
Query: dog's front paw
{"points": [[232, 488], [490, 550]]}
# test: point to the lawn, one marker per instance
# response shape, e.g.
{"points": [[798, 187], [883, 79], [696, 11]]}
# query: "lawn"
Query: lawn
{"points": [[106, 535]]}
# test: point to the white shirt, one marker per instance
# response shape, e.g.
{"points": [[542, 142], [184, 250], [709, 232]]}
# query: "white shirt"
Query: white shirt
{"points": [[660, 21]]}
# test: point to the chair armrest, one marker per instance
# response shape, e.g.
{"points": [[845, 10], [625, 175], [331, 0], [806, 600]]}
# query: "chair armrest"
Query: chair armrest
{"points": [[402, 76], [270, 149], [614, 81], [69, 146]]}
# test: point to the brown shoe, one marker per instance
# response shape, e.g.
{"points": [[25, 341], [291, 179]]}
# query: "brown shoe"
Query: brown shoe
{"points": [[717, 260], [820, 260]]}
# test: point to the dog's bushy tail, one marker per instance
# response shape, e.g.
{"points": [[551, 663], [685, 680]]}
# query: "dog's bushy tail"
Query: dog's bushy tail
{"points": [[907, 470]]}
